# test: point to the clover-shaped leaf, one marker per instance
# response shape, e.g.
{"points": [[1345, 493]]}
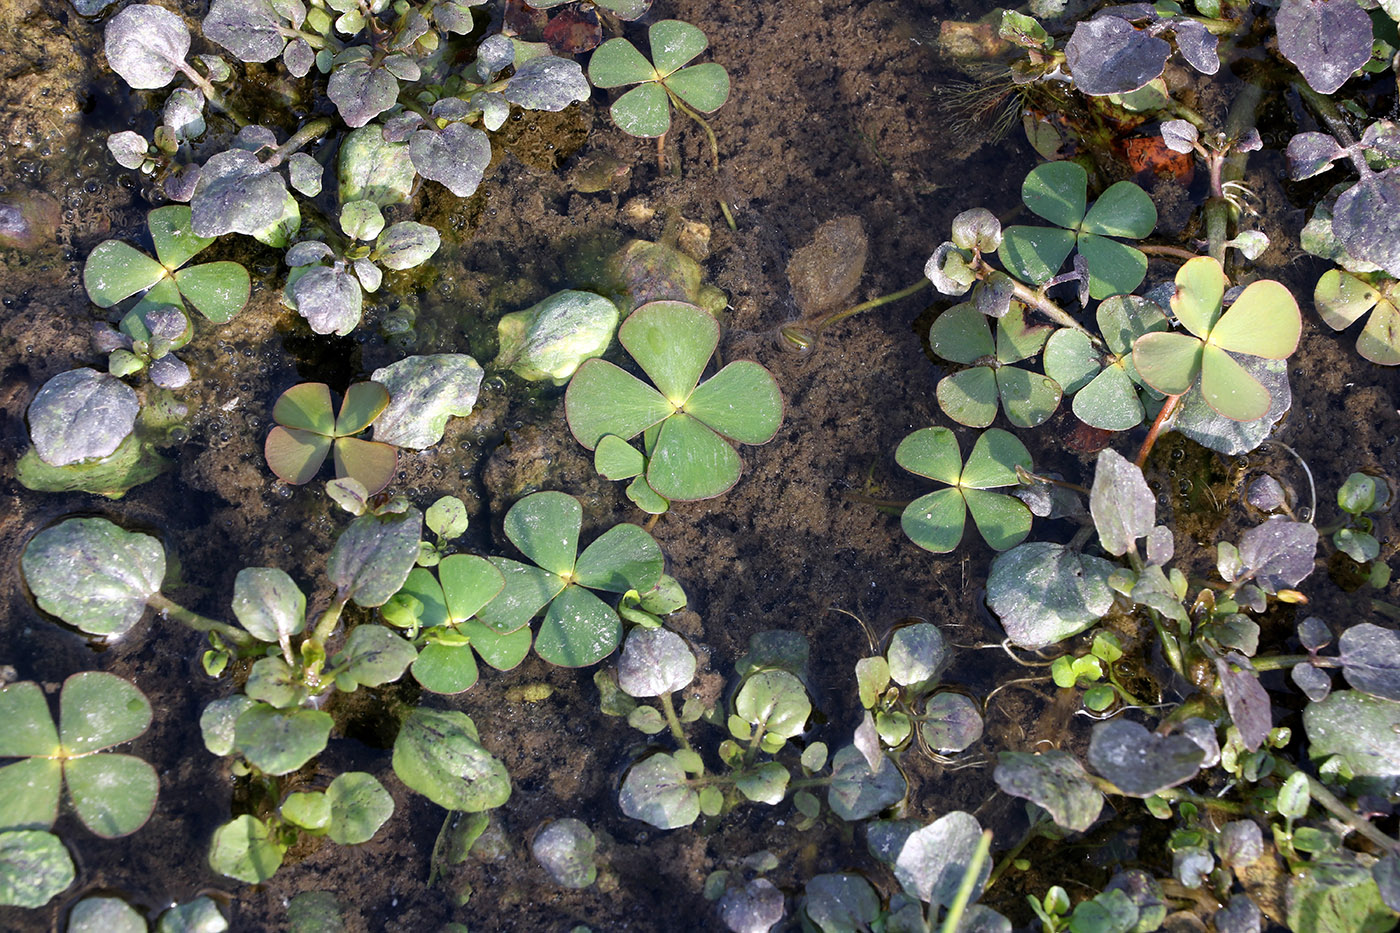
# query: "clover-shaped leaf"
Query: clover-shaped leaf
{"points": [[579, 628], [113, 794], [1105, 386], [1264, 322], [646, 110], [1058, 191], [115, 270], [464, 584], [1342, 298], [691, 456], [308, 430], [935, 521], [971, 396]]}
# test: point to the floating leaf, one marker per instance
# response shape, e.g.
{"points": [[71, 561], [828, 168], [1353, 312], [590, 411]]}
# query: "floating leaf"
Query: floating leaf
{"points": [[105, 915], [92, 574], [146, 45], [755, 908], [841, 903], [1043, 593], [424, 392], [1246, 699], [857, 791], [438, 754], [917, 654], [547, 82], [374, 169], [1053, 780], [1142, 763], [565, 849], [372, 655], [1123, 507], [34, 868], [657, 791], [81, 415], [774, 702], [1359, 727], [1279, 553], [935, 521], [933, 860], [1327, 41], [950, 722], [551, 339], [236, 193], [654, 662], [1371, 659], [373, 556], [269, 604], [361, 91], [246, 849], [457, 156], [359, 806], [1107, 55], [279, 741]]}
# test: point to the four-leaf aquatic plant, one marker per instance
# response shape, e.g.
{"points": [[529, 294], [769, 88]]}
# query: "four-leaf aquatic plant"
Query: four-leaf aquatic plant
{"points": [[935, 521], [689, 424], [1058, 191], [668, 78], [1264, 321], [113, 794], [578, 628], [308, 430]]}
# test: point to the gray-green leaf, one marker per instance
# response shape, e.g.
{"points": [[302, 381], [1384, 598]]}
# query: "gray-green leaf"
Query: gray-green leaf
{"points": [[92, 574], [81, 415], [425, 391]]}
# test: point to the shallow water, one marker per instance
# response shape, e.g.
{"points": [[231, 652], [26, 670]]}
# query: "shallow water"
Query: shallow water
{"points": [[831, 114]]}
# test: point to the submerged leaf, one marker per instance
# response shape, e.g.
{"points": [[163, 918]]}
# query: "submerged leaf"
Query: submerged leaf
{"points": [[1053, 780], [92, 574]]}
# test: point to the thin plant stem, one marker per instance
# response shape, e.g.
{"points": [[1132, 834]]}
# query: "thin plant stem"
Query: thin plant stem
{"points": [[1170, 252], [714, 149], [191, 619], [1009, 859], [968, 883], [1281, 662], [302, 136], [872, 303], [672, 720], [1168, 409]]}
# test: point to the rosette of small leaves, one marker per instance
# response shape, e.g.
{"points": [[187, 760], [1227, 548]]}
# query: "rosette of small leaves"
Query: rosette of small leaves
{"points": [[578, 628], [113, 794], [971, 397], [115, 271], [1058, 191], [308, 430], [1360, 496], [328, 288], [1264, 322], [935, 521], [667, 78], [1105, 384]]}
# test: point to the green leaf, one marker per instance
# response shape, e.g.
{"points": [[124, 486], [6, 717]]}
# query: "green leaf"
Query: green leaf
{"points": [[34, 868], [447, 517], [657, 791], [29, 728], [105, 915], [654, 662], [644, 111], [565, 850], [545, 527], [469, 582], [1379, 342], [931, 452], [622, 558], [1341, 298], [446, 669], [691, 461], [1029, 399], [98, 710], [268, 604], [528, 590], [359, 806], [1142, 763], [1200, 288], [294, 455], [674, 44], [704, 87], [933, 860], [245, 849], [372, 655], [503, 652], [1045, 592], [961, 334], [1110, 402], [993, 461], [766, 783], [112, 794], [872, 677], [29, 792], [641, 494], [1035, 254], [92, 574], [437, 753], [218, 290], [970, 397], [1123, 210], [1057, 191], [1123, 506], [741, 402], [362, 404], [616, 459], [309, 810], [372, 557], [616, 63], [917, 654], [935, 521], [1358, 727], [603, 399], [281, 741], [115, 271], [856, 791], [672, 341], [176, 244], [776, 701], [370, 463], [1003, 521], [1168, 362], [306, 406], [1229, 389], [1263, 321], [579, 629], [1114, 268], [217, 722]]}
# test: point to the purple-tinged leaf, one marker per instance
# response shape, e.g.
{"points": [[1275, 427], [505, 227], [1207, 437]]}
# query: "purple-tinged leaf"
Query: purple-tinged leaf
{"points": [[1107, 55], [1142, 763], [1326, 39], [456, 156], [1311, 154], [1371, 659], [1246, 699], [1279, 553]]}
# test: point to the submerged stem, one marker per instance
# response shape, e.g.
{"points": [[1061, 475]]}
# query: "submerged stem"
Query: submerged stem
{"points": [[1168, 409], [714, 148], [229, 633], [672, 720]]}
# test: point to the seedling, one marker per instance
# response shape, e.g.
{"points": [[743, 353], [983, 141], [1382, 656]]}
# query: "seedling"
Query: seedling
{"points": [[935, 521], [690, 425], [308, 430]]}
